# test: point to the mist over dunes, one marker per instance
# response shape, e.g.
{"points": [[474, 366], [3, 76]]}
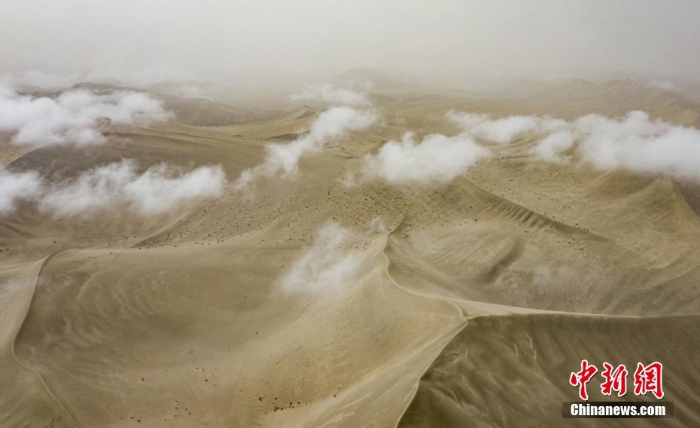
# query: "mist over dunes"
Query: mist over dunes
{"points": [[346, 214], [355, 277]]}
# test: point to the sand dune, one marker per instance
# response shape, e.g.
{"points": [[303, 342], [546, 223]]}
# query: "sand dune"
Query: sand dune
{"points": [[473, 304], [507, 370]]}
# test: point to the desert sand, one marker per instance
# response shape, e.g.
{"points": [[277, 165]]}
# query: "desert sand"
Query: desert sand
{"points": [[474, 303]]}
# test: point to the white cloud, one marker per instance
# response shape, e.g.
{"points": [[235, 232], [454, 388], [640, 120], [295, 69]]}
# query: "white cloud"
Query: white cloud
{"points": [[499, 131], [158, 190], [283, 159], [552, 146], [436, 159], [16, 186], [504, 130], [331, 124], [72, 117], [633, 142], [162, 187], [639, 144], [324, 267]]}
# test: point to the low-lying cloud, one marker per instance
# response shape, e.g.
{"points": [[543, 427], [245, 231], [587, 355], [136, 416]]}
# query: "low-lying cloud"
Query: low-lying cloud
{"points": [[633, 142], [436, 159], [325, 267], [73, 117], [504, 130], [17, 186], [158, 190], [553, 147], [342, 117], [283, 159], [639, 144]]}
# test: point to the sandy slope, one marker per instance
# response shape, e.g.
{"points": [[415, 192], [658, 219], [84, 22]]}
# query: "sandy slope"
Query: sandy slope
{"points": [[508, 370], [472, 308]]}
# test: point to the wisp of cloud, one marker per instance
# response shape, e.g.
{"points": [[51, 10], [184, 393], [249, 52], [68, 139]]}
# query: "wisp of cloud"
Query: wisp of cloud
{"points": [[283, 159], [16, 186], [553, 146], [72, 117], [499, 131], [158, 190], [324, 268]]}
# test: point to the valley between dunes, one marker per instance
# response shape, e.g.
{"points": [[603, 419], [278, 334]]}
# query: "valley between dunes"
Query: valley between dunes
{"points": [[474, 303]]}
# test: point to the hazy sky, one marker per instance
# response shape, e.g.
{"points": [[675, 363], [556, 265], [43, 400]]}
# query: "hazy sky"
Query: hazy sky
{"points": [[533, 38]]}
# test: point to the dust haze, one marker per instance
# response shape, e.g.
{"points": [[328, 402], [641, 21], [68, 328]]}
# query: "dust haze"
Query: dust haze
{"points": [[272, 43]]}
